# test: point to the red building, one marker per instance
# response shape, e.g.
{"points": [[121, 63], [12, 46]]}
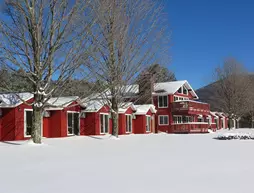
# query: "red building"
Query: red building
{"points": [[96, 118], [62, 117], [126, 123], [144, 119], [177, 109], [15, 116]]}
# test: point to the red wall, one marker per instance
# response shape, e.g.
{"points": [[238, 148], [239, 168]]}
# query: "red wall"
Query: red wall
{"points": [[91, 124], [12, 123], [140, 123], [56, 124], [122, 122]]}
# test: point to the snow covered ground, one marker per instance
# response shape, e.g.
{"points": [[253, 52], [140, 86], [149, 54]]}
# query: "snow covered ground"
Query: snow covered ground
{"points": [[134, 164]]}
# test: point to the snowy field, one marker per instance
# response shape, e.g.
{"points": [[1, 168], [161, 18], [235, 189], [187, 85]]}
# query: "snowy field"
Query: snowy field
{"points": [[133, 164]]}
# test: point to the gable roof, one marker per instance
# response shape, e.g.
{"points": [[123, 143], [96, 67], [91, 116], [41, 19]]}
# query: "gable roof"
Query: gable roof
{"points": [[124, 107], [172, 87], [62, 102], [143, 109], [12, 100], [93, 105]]}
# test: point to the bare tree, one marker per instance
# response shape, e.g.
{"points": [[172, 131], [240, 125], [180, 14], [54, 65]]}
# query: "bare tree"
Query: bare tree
{"points": [[46, 41], [232, 87], [129, 35]]}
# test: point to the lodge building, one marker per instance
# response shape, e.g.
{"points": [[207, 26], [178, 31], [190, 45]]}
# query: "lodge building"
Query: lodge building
{"points": [[174, 109]]}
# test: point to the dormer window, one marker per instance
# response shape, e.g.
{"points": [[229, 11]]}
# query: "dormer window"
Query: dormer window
{"points": [[163, 101]]}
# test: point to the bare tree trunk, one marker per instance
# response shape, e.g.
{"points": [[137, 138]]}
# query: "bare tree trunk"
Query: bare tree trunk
{"points": [[36, 124], [114, 115]]}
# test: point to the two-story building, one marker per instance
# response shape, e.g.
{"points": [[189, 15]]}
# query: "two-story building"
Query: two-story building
{"points": [[178, 110]]}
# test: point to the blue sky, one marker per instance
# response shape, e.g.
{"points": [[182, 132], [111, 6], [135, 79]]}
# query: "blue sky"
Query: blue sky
{"points": [[205, 33]]}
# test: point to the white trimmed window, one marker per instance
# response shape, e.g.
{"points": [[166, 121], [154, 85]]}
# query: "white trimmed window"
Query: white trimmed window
{"points": [[163, 101], [128, 123], [185, 91], [163, 120], [178, 119], [148, 123], [176, 98]]}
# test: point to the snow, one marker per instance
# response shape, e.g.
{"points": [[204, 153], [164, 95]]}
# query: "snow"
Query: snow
{"points": [[143, 109], [134, 164], [93, 105], [11, 100], [172, 87], [62, 101]]}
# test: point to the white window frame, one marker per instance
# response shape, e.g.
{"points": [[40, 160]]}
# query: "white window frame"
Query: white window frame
{"points": [[25, 135], [72, 112], [186, 90], [150, 124], [104, 123], [163, 120], [177, 122], [162, 101], [181, 90], [127, 125]]}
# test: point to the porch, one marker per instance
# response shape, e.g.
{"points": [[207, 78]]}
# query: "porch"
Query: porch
{"points": [[191, 107], [193, 127]]}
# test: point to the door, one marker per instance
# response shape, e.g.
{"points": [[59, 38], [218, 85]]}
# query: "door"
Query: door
{"points": [[73, 123], [128, 124], [148, 124], [76, 123], [104, 123], [28, 123]]}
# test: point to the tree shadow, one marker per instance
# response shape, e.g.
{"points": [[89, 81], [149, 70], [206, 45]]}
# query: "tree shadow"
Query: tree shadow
{"points": [[11, 143]]}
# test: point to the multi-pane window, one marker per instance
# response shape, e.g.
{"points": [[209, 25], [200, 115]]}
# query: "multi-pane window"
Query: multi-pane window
{"points": [[176, 98], [163, 119], [163, 101], [178, 119], [187, 119], [128, 123]]}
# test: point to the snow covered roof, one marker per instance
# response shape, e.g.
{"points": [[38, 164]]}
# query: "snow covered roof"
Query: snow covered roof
{"points": [[214, 114], [172, 87], [125, 107], [12, 100], [93, 105], [143, 109], [62, 102]]}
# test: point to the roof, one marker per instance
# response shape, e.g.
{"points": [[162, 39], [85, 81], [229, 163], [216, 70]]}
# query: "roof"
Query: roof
{"points": [[172, 87], [62, 101], [124, 107], [143, 109], [214, 114], [12, 100], [93, 105]]}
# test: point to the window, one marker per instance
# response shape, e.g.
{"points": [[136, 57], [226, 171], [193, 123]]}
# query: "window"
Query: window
{"points": [[180, 90], [73, 123], [185, 91], [148, 124], [163, 119], [28, 122], [176, 98], [128, 123], [178, 119], [104, 123], [181, 99], [187, 119], [163, 101]]}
